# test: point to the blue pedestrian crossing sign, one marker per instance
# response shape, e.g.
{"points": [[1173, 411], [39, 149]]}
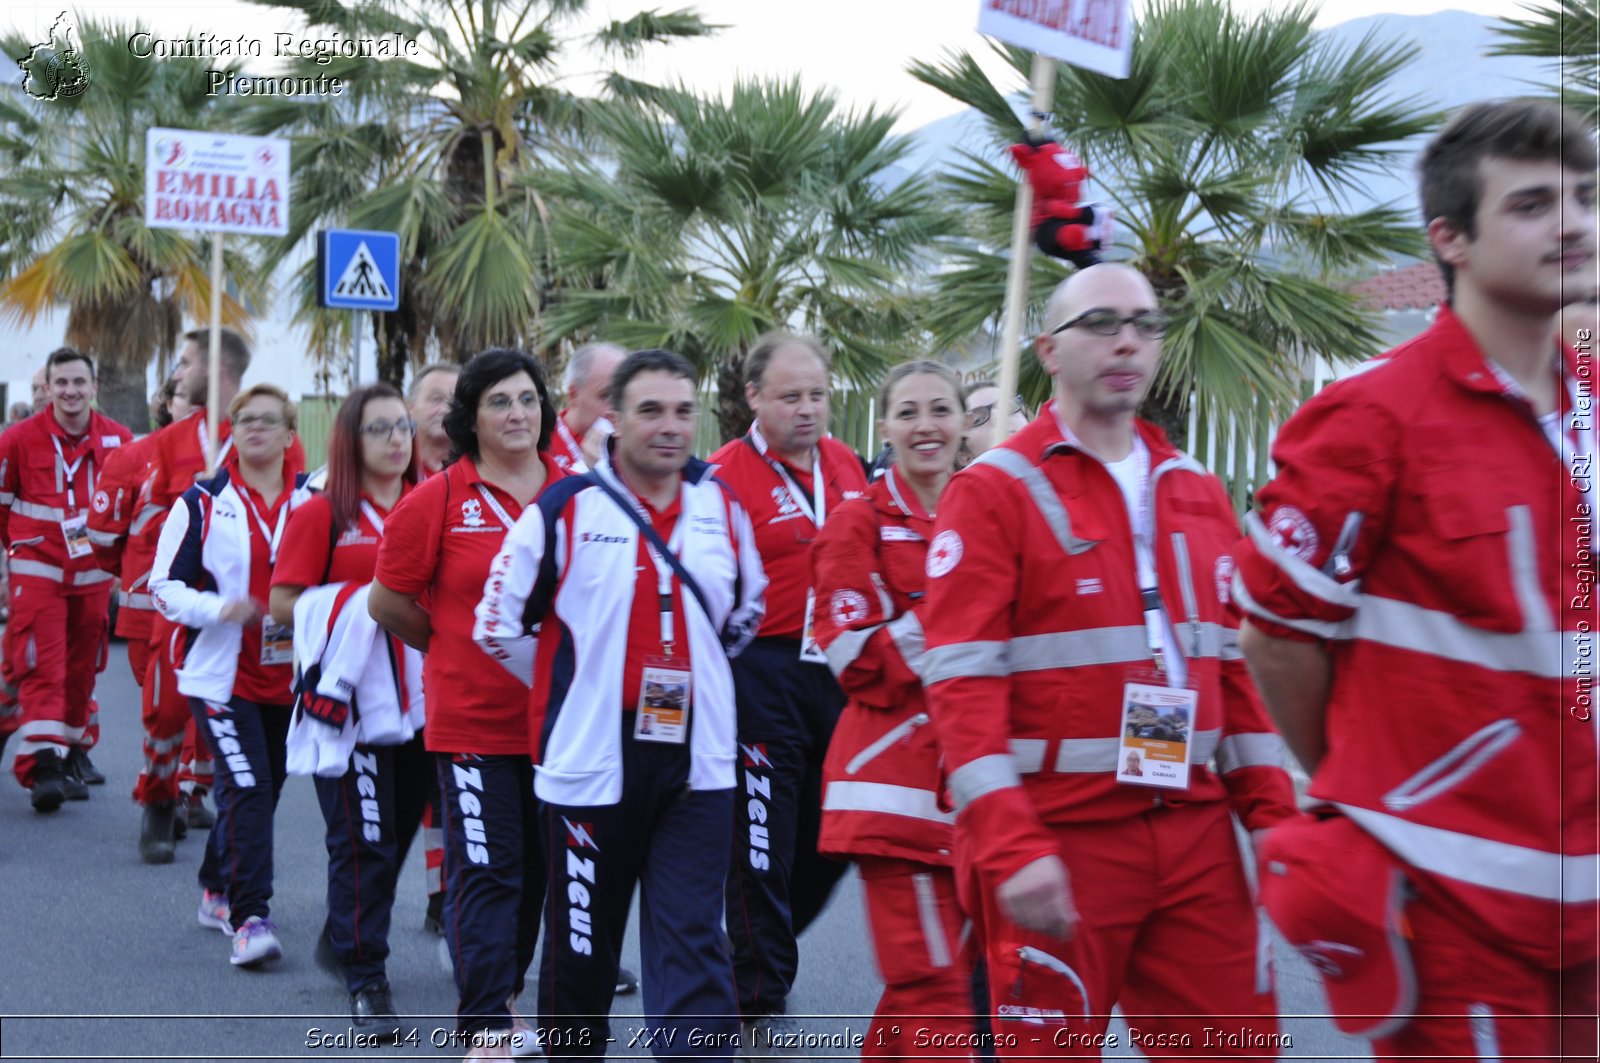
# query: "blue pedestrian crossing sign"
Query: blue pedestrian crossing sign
{"points": [[358, 269]]}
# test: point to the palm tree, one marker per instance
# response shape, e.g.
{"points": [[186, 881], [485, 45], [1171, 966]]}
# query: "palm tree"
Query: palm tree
{"points": [[710, 220], [72, 230], [1567, 31], [433, 148], [1229, 154]]}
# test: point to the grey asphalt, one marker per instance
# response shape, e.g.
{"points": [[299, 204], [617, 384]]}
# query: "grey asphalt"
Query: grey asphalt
{"points": [[101, 957]]}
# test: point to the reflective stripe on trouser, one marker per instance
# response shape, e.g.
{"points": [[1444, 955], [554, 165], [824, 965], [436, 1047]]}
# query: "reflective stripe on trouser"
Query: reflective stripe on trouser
{"points": [[249, 742], [55, 647], [1476, 1001], [495, 869], [1167, 931], [195, 766], [778, 882], [371, 812], [925, 957], [167, 717], [656, 837]]}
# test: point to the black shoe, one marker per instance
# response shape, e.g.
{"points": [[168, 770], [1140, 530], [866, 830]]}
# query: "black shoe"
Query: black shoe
{"points": [[49, 781], [195, 811], [79, 764], [627, 981], [372, 1010], [156, 833], [433, 922], [180, 829]]}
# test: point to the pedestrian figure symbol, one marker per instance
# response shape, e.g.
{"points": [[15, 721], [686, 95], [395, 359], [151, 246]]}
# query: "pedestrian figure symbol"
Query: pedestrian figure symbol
{"points": [[361, 278]]}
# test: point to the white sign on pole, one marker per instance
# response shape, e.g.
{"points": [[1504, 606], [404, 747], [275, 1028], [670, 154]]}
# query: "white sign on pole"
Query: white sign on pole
{"points": [[1093, 34], [216, 182]]}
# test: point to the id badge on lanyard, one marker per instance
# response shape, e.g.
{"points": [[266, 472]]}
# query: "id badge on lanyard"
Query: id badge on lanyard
{"points": [[1157, 727], [817, 511], [277, 640], [75, 525]]}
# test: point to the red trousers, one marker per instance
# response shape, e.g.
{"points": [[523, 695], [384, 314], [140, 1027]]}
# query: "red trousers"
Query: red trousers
{"points": [[166, 717], [1475, 1001], [54, 647], [925, 956], [1166, 929]]}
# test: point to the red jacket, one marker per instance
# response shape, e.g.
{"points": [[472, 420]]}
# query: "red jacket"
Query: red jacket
{"points": [[46, 478], [1034, 621], [881, 778], [784, 532], [1057, 176], [1422, 523], [124, 526]]}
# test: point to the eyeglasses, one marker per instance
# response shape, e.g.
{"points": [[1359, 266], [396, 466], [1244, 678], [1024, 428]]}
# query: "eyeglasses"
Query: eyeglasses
{"points": [[980, 414], [501, 403], [1148, 324], [387, 429], [265, 420]]}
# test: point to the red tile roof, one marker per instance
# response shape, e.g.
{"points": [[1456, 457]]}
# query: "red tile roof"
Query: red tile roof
{"points": [[1418, 287]]}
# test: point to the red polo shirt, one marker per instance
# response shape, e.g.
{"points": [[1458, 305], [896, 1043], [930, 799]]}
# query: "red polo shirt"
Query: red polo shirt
{"points": [[303, 559], [265, 684]]}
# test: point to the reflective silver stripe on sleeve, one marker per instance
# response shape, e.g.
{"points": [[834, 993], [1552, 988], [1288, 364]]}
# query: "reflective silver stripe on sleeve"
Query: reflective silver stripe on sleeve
{"points": [[1525, 570], [102, 538], [90, 578], [135, 601], [6, 497], [962, 659], [25, 567], [1322, 629], [843, 650], [1228, 648], [843, 796], [1028, 754], [1044, 496], [985, 775], [906, 630], [1260, 750], [144, 517], [1402, 625], [23, 508], [1312, 580], [1478, 861]]}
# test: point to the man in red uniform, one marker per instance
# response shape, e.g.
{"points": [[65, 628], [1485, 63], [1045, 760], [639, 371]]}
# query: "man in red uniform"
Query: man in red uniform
{"points": [[47, 475], [429, 400], [1075, 612], [789, 475], [1419, 588], [582, 428]]}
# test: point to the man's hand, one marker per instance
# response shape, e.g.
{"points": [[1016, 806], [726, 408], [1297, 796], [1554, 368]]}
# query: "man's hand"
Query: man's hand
{"points": [[1039, 898], [239, 611]]}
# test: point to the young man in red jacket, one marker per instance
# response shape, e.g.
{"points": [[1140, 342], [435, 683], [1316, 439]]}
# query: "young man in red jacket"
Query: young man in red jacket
{"points": [[47, 473], [1419, 589], [1077, 610]]}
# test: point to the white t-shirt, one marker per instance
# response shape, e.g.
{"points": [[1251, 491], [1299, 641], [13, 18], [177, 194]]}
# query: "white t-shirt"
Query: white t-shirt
{"points": [[1132, 474]]}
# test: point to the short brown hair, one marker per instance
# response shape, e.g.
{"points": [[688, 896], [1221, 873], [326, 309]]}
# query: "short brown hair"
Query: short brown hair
{"points": [[769, 344], [1451, 181], [67, 354], [256, 391], [235, 352]]}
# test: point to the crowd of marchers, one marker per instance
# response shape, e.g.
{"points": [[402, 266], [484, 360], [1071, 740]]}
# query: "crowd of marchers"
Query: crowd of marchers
{"points": [[1038, 692]]}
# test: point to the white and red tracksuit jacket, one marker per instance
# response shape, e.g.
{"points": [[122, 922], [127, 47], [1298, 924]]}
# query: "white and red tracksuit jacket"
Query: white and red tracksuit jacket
{"points": [[44, 479], [881, 778], [1423, 524], [1034, 620]]}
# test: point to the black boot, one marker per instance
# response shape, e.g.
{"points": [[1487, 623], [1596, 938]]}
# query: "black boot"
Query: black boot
{"points": [[157, 843], [79, 764], [49, 781], [372, 1009], [195, 811]]}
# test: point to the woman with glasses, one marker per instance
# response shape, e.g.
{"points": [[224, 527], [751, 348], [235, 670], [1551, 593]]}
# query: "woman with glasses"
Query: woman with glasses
{"points": [[373, 779], [881, 777], [432, 565], [211, 574]]}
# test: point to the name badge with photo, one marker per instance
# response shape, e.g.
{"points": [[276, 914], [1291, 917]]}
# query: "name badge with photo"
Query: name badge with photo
{"points": [[277, 642], [810, 652], [1157, 727], [663, 712], [75, 530]]}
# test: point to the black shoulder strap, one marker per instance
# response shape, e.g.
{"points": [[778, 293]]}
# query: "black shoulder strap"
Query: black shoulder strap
{"points": [[654, 539]]}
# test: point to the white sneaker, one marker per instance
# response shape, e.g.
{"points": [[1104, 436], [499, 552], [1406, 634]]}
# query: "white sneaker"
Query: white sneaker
{"points": [[214, 911], [255, 942], [524, 1041]]}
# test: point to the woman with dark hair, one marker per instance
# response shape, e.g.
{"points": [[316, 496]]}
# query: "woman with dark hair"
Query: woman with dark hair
{"points": [[372, 773], [437, 547]]}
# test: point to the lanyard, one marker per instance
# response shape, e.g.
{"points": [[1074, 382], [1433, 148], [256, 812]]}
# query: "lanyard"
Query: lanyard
{"points": [[275, 534], [70, 472], [494, 503], [573, 447], [817, 509], [664, 574], [372, 517]]}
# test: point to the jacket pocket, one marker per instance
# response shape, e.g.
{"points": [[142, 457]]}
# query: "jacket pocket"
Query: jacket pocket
{"points": [[1449, 771], [884, 741]]}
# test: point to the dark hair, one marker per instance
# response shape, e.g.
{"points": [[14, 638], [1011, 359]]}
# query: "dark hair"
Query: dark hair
{"points": [[161, 401], [235, 352], [916, 367], [484, 371], [769, 344], [654, 360], [344, 453], [1450, 179], [67, 354]]}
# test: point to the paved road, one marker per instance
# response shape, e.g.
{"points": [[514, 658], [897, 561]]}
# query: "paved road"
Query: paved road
{"points": [[101, 957]]}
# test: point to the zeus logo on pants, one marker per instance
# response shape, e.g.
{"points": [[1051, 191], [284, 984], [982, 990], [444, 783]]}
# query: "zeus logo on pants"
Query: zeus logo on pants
{"points": [[227, 736], [366, 765], [468, 780], [759, 789], [580, 869]]}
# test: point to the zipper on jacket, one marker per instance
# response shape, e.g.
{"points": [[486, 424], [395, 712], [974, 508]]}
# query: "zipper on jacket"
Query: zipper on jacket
{"points": [[1448, 771], [1180, 549], [889, 738], [1338, 564]]}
